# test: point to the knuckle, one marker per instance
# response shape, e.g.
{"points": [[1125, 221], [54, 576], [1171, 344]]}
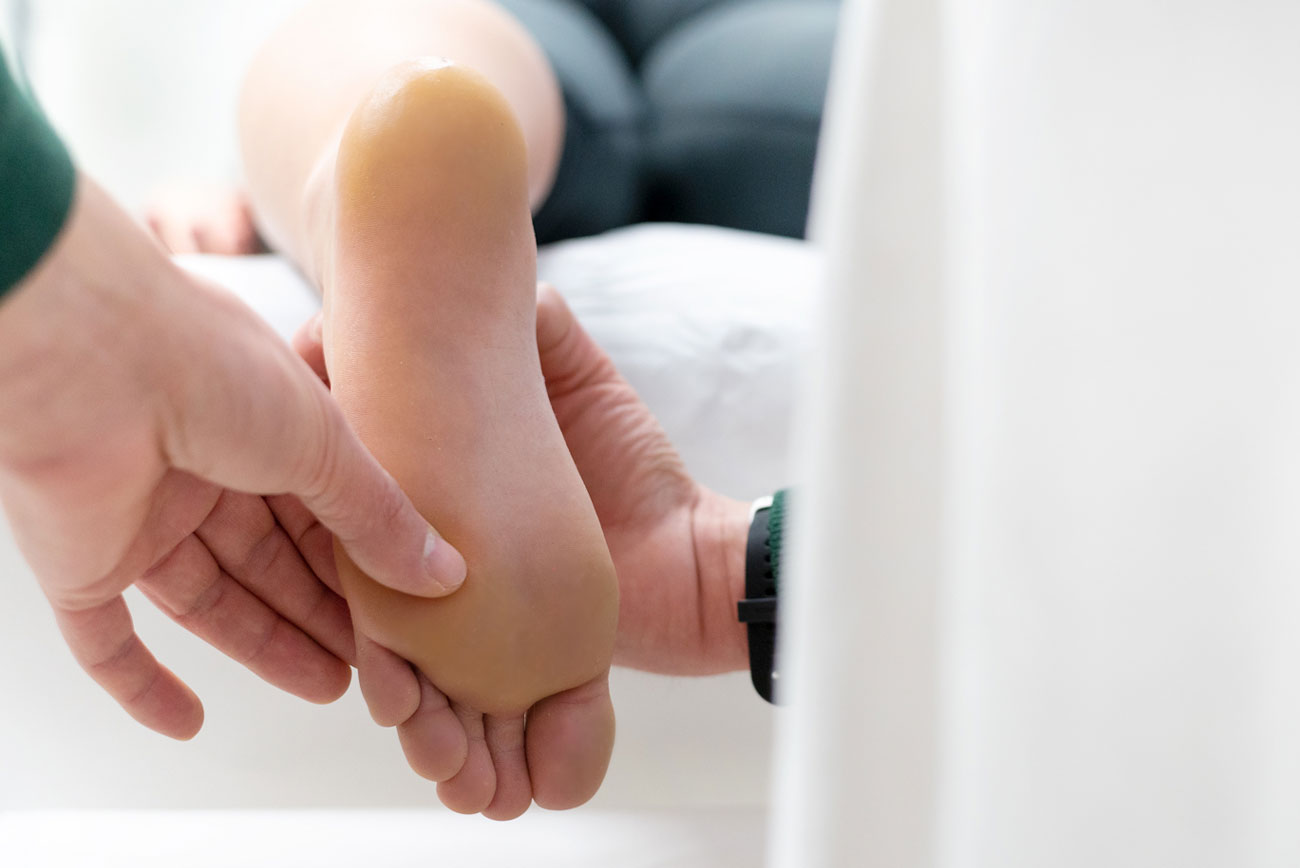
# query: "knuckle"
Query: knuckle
{"points": [[262, 641], [264, 552], [205, 602], [392, 506], [145, 688], [104, 663]]}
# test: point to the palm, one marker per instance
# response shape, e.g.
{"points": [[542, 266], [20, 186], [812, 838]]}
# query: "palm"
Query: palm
{"points": [[231, 568], [647, 503]]}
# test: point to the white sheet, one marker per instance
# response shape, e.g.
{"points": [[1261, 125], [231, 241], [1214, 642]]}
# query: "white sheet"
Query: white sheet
{"points": [[706, 323], [380, 839]]}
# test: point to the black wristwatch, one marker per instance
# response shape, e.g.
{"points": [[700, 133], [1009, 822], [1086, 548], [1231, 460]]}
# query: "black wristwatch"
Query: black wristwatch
{"points": [[759, 610]]}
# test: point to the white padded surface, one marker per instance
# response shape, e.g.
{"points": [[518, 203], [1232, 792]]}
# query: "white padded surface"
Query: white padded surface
{"points": [[391, 839]]}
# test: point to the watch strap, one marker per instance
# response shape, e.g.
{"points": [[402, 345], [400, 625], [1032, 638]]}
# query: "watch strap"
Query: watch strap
{"points": [[759, 610]]}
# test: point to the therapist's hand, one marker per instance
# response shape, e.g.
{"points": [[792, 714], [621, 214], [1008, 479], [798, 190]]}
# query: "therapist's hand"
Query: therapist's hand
{"points": [[678, 548], [154, 431]]}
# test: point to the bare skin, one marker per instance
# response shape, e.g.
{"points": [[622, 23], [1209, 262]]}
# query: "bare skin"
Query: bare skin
{"points": [[403, 188], [678, 547], [204, 219], [429, 328], [313, 72], [157, 434]]}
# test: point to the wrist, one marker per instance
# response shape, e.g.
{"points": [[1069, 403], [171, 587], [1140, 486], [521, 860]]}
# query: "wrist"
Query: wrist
{"points": [[720, 528], [73, 339]]}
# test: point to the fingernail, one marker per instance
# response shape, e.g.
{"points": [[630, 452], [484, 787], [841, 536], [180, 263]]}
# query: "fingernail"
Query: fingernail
{"points": [[318, 327], [443, 564]]}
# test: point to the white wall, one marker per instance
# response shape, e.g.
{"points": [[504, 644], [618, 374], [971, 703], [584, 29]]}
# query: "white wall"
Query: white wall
{"points": [[144, 91]]}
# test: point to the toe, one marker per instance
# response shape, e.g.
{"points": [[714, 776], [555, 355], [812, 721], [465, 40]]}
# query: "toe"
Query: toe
{"points": [[505, 741], [471, 789], [434, 738], [569, 741]]}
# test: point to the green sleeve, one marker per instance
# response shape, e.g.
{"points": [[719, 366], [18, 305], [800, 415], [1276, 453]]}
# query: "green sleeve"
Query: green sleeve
{"points": [[37, 182]]}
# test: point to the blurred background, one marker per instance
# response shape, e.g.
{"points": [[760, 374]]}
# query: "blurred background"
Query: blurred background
{"points": [[143, 91]]}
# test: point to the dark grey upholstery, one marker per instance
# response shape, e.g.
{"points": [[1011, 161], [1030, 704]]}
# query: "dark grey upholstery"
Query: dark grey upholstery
{"points": [[701, 111]]}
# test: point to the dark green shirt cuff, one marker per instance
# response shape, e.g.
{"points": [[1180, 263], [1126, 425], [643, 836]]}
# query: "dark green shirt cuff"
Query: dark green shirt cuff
{"points": [[37, 182]]}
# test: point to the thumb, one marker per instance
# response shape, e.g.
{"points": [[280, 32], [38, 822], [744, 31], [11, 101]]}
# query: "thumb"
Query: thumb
{"points": [[252, 417], [309, 343], [570, 359], [372, 518]]}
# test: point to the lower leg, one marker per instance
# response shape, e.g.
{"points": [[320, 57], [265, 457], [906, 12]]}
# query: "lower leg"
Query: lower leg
{"points": [[313, 72]]}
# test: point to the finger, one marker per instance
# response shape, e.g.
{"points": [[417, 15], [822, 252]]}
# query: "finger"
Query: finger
{"points": [[312, 539], [471, 789], [249, 544], [179, 503], [309, 343], [104, 642], [194, 591], [388, 683], [570, 738], [176, 234], [570, 359], [228, 230], [505, 741], [216, 236], [434, 739], [249, 240], [254, 418]]}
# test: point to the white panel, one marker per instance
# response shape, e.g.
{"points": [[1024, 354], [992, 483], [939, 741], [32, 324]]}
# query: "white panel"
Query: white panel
{"points": [[1127, 599], [856, 762], [1047, 584]]}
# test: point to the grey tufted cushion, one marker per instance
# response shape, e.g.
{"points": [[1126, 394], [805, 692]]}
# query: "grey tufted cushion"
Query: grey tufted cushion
{"points": [[697, 111], [736, 96], [639, 24]]}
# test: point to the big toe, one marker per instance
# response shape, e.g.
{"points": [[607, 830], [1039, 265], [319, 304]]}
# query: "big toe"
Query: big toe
{"points": [[570, 738]]}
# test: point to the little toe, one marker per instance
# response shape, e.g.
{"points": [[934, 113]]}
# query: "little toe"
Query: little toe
{"points": [[569, 741], [505, 741], [471, 789]]}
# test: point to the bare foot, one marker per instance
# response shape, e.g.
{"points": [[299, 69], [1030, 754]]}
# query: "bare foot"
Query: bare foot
{"points": [[203, 220], [430, 341]]}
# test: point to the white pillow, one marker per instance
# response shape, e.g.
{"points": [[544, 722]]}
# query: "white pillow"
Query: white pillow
{"points": [[707, 324]]}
